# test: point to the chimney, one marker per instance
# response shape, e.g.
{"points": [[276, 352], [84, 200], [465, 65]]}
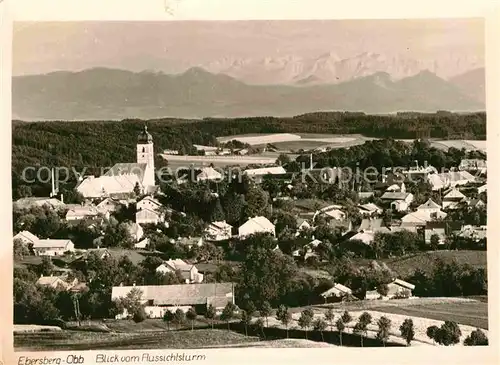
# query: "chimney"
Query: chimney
{"points": [[310, 161]]}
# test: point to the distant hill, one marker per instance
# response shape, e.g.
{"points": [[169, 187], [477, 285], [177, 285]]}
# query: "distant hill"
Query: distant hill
{"points": [[104, 94], [472, 84]]}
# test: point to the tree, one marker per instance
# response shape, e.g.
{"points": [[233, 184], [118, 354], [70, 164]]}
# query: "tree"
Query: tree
{"points": [[132, 302], [346, 317], [168, 317], [448, 334], [139, 315], [476, 338], [283, 159], [259, 324], [330, 316], [179, 317], [383, 290], [384, 325], [210, 314], [266, 311], [435, 241], [305, 319], [228, 313], [361, 327], [340, 327], [431, 332], [320, 325], [137, 189], [191, 316], [284, 316], [246, 319], [46, 267], [407, 330], [20, 249]]}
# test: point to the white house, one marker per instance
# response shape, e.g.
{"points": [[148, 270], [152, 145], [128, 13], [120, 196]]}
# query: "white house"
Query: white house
{"points": [[109, 205], [421, 217], [56, 282], [397, 195], [79, 212], [149, 211], [26, 237], [400, 205], [50, 247], [218, 231], [189, 272], [337, 291], [452, 198], [370, 209], [429, 207], [256, 225], [450, 179], [208, 173], [142, 244]]}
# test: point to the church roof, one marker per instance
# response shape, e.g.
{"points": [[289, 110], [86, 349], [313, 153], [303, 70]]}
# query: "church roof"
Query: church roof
{"points": [[126, 169], [144, 136]]}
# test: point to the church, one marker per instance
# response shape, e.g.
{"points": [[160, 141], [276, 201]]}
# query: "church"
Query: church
{"points": [[123, 178]]}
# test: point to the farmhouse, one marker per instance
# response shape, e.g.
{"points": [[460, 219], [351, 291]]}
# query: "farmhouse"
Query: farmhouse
{"points": [[188, 272], [258, 174], [337, 291], [109, 205], [218, 231], [27, 203], [208, 173], [80, 212], [26, 237], [52, 247], [400, 288], [123, 178], [159, 298], [420, 218], [56, 282], [149, 211], [256, 225]]}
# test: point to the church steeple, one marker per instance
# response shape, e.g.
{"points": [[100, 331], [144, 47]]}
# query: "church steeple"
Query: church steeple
{"points": [[145, 155], [144, 137]]}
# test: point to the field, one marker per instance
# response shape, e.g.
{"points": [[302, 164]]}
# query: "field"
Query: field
{"points": [[425, 261], [79, 340], [185, 162], [473, 314]]}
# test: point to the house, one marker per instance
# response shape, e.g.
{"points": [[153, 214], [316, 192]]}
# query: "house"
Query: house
{"points": [[452, 197], [373, 225], [101, 253], [429, 207], [400, 288], [365, 195], [142, 244], [149, 211], [188, 272], [157, 299], [331, 212], [26, 237], [450, 179], [28, 203], [435, 228], [397, 195], [365, 237], [400, 205], [77, 212], [482, 189], [302, 225], [263, 171], [50, 247], [475, 233], [108, 206], [256, 225], [472, 165], [420, 218], [476, 203], [338, 291], [242, 152], [370, 209], [56, 282], [208, 173], [415, 173], [218, 231]]}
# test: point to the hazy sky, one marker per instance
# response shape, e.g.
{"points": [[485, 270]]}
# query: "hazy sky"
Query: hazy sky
{"points": [[174, 46]]}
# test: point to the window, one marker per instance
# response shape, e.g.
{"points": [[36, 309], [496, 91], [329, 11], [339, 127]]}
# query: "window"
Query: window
{"points": [[143, 149]]}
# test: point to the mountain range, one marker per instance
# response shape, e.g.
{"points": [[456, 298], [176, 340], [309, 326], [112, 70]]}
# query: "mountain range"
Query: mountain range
{"points": [[104, 93]]}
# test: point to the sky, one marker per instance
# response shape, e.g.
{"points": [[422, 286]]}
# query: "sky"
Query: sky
{"points": [[174, 46]]}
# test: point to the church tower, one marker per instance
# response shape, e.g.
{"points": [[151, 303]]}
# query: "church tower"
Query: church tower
{"points": [[145, 154]]}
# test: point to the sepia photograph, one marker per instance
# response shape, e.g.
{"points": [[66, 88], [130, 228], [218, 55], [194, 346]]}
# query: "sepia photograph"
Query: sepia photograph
{"points": [[248, 184]]}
